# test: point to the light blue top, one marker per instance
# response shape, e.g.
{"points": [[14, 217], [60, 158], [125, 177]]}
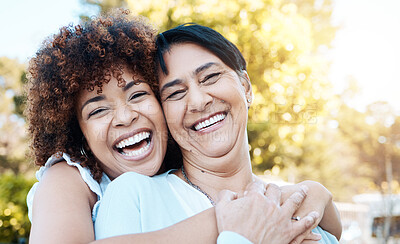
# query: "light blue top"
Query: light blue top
{"points": [[93, 185], [135, 203]]}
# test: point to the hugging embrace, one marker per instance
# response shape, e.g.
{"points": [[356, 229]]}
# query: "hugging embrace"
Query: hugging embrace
{"points": [[142, 138]]}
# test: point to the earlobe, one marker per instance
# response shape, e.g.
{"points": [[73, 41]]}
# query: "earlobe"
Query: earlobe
{"points": [[245, 81]]}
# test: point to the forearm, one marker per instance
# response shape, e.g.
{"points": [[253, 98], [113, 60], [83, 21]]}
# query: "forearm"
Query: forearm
{"points": [[331, 220], [201, 228]]}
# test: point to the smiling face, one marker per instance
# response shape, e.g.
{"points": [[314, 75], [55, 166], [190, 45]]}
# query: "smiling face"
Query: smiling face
{"points": [[124, 127], [204, 101]]}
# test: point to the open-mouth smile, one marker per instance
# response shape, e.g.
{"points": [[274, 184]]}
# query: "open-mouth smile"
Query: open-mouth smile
{"points": [[209, 122], [135, 145]]}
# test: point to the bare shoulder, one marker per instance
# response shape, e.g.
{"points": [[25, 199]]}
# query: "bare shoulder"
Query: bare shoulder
{"points": [[61, 198], [61, 169], [62, 181]]}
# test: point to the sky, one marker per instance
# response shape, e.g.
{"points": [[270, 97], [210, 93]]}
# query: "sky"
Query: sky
{"points": [[367, 46]]}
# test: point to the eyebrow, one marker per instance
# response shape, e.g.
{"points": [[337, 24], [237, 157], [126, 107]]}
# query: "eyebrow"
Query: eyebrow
{"points": [[130, 84], [196, 72], [171, 83], [204, 67], [101, 97], [92, 100]]}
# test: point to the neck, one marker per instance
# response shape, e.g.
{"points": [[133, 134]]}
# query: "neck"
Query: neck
{"points": [[231, 171]]}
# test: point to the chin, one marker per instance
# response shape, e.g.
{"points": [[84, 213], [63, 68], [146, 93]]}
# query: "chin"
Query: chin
{"points": [[217, 150]]}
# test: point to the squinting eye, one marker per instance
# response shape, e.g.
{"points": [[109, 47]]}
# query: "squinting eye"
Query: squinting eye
{"points": [[211, 78], [94, 112], [176, 95], [137, 95]]}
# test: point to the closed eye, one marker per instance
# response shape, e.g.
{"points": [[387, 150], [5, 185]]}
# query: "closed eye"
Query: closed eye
{"points": [[176, 95], [137, 95], [211, 78], [96, 111]]}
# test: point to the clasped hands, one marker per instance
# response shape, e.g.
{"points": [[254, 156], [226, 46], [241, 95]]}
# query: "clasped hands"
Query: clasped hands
{"points": [[260, 216]]}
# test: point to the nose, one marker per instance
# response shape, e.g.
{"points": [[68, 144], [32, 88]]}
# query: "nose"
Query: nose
{"points": [[124, 116], [199, 99]]}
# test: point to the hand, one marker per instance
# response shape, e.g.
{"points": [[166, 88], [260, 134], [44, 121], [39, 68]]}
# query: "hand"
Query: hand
{"points": [[318, 199], [259, 217]]}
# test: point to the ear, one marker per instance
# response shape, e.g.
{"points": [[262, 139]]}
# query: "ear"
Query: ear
{"points": [[245, 82]]}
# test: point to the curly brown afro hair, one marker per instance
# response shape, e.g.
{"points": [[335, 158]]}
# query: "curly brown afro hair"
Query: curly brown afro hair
{"points": [[82, 57]]}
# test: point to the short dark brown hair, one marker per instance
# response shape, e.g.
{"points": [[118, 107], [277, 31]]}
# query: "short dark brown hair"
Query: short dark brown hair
{"points": [[205, 37], [82, 57]]}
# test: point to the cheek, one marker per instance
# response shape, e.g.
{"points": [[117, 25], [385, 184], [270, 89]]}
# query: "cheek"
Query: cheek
{"points": [[96, 133], [173, 115], [161, 126]]}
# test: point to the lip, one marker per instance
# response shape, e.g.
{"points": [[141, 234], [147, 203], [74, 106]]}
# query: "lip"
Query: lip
{"points": [[214, 127], [130, 134]]}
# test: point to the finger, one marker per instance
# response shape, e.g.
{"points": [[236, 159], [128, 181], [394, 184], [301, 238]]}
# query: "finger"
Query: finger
{"points": [[273, 192], [294, 201], [226, 196], [288, 190], [313, 236], [309, 242], [304, 224]]}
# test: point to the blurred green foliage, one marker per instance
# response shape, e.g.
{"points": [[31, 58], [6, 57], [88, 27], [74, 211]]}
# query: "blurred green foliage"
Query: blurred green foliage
{"points": [[16, 172], [14, 222], [13, 141]]}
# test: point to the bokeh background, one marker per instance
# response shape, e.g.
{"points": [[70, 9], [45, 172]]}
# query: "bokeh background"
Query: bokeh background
{"points": [[326, 108]]}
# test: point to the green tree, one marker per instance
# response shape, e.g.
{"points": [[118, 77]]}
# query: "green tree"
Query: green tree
{"points": [[14, 163], [375, 135]]}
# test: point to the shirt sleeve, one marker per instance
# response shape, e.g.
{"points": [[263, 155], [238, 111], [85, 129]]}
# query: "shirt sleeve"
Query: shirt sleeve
{"points": [[119, 210], [326, 237], [229, 237]]}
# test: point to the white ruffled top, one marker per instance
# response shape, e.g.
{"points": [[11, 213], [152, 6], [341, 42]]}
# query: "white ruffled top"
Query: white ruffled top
{"points": [[94, 186]]}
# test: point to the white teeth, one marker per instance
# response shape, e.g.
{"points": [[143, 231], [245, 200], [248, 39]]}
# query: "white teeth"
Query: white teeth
{"points": [[136, 152], [133, 139], [210, 121]]}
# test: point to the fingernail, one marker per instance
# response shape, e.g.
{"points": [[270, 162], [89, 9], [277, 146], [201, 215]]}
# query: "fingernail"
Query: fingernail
{"points": [[245, 193], [309, 221]]}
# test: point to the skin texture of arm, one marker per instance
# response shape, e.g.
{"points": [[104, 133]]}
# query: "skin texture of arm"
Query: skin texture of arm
{"points": [[191, 230], [318, 199]]}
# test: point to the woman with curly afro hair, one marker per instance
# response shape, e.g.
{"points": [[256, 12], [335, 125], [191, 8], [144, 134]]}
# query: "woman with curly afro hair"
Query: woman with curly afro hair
{"points": [[92, 116]]}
